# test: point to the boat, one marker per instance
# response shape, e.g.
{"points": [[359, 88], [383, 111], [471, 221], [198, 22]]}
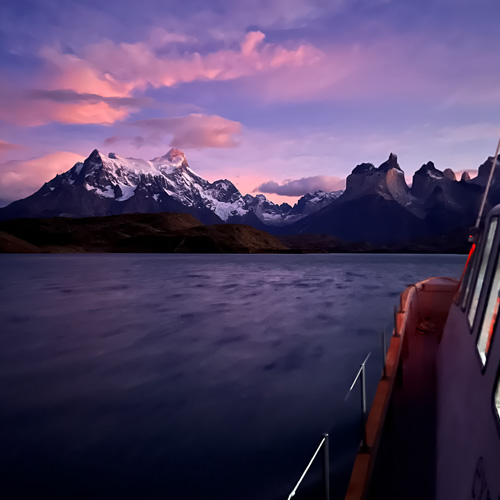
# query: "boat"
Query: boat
{"points": [[433, 429]]}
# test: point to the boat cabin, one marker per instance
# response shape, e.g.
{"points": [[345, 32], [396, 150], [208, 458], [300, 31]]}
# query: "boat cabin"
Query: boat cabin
{"points": [[468, 367]]}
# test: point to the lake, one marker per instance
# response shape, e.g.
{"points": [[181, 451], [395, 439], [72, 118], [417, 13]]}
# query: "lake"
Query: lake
{"points": [[189, 376]]}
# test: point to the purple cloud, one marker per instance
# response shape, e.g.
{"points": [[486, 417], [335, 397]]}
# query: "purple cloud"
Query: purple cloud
{"points": [[299, 187], [8, 146], [70, 96], [138, 141], [191, 131]]}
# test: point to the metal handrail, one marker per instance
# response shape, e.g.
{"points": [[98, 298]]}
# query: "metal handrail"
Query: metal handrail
{"points": [[325, 439], [326, 468], [361, 373]]}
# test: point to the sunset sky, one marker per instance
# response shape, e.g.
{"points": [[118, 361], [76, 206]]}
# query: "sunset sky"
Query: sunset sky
{"points": [[254, 91]]}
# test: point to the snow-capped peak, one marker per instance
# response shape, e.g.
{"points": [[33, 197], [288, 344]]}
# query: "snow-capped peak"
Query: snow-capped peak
{"points": [[117, 165], [174, 158], [165, 177]]}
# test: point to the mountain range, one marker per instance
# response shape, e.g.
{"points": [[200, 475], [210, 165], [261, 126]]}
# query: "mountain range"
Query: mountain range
{"points": [[377, 205], [111, 185]]}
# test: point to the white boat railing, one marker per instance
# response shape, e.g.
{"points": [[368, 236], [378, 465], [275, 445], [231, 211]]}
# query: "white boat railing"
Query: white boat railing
{"points": [[326, 467], [324, 443]]}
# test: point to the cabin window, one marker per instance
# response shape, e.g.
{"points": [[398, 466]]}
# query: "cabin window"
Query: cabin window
{"points": [[482, 270], [490, 316], [497, 398], [465, 285]]}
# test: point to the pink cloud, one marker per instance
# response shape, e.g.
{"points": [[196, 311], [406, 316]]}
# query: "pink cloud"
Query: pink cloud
{"points": [[42, 112], [191, 131], [32, 108], [268, 72], [20, 178], [299, 187], [68, 71], [358, 71], [89, 113], [390, 66], [5, 147], [251, 42], [115, 69], [105, 74]]}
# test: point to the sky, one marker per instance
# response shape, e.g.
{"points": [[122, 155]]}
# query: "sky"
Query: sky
{"points": [[279, 96]]}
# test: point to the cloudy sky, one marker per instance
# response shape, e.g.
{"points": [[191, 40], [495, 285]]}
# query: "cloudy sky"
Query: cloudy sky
{"points": [[287, 95]]}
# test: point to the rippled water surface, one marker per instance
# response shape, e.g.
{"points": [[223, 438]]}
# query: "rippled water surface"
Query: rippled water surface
{"points": [[188, 376]]}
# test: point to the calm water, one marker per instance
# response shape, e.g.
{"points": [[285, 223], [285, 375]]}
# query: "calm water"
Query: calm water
{"points": [[188, 376]]}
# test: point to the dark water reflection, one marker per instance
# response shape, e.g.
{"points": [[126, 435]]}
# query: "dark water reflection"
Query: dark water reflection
{"points": [[207, 377]]}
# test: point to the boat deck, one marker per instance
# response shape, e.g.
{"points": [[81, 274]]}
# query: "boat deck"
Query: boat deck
{"points": [[400, 462], [406, 459]]}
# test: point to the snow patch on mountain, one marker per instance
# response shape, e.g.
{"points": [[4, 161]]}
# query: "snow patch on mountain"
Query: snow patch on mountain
{"points": [[127, 193]]}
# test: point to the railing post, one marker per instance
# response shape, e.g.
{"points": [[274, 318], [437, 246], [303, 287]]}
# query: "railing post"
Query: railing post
{"points": [[326, 465], [396, 333], [364, 443], [384, 353], [361, 374]]}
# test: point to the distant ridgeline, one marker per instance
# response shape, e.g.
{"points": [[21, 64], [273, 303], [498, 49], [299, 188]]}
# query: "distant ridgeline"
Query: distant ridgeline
{"points": [[376, 207]]}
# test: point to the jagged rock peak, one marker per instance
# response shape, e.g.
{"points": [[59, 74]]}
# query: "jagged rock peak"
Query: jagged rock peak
{"points": [[317, 194], [465, 176], [392, 162], [484, 169], [430, 170], [94, 160], [94, 155], [449, 174], [363, 168]]}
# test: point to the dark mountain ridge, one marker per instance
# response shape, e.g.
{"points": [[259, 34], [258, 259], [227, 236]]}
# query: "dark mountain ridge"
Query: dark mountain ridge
{"points": [[379, 207]]}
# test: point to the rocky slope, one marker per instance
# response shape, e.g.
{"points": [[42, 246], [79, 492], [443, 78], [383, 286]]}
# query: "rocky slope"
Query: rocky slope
{"points": [[163, 232], [12, 244]]}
